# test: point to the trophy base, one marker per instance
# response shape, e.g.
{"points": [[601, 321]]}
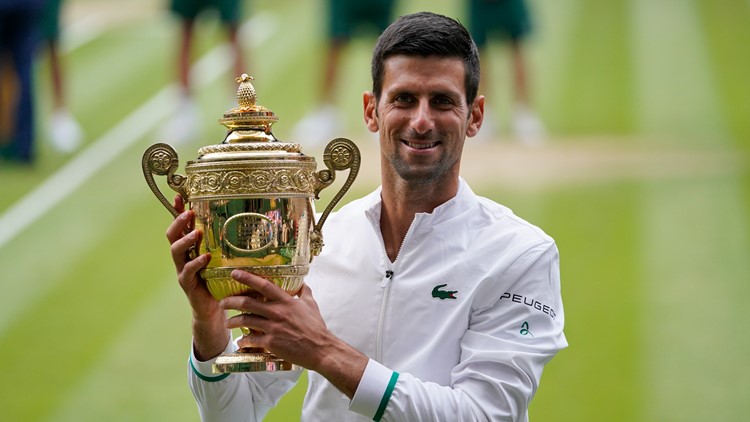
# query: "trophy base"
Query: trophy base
{"points": [[251, 361]]}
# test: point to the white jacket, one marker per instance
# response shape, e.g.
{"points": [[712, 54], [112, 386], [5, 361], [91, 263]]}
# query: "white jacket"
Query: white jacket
{"points": [[458, 328]]}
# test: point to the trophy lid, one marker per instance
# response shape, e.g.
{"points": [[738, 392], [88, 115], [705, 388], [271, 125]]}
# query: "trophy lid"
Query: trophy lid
{"points": [[249, 130]]}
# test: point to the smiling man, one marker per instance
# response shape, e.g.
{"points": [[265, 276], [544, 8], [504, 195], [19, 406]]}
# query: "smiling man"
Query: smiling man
{"points": [[410, 319]]}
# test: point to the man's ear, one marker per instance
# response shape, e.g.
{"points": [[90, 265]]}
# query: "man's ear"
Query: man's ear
{"points": [[370, 111], [476, 116]]}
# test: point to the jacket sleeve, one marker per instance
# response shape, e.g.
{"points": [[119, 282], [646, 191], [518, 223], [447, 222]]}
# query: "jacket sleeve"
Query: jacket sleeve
{"points": [[511, 335], [237, 396]]}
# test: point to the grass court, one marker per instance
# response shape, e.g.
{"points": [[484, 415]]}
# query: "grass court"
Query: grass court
{"points": [[644, 182]]}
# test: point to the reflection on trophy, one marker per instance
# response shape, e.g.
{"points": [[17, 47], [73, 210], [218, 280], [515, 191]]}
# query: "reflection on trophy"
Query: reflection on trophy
{"points": [[253, 199]]}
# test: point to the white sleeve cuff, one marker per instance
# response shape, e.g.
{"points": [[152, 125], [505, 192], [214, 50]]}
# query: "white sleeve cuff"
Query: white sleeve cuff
{"points": [[204, 369], [374, 390]]}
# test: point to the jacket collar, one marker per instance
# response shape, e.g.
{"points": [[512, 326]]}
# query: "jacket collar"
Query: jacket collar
{"points": [[464, 200]]}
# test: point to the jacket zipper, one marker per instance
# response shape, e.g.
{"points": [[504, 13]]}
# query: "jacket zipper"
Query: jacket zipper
{"points": [[381, 319], [386, 284]]}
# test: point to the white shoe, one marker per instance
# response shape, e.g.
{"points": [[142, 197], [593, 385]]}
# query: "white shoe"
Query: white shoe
{"points": [[318, 127], [528, 127], [184, 126], [64, 132]]}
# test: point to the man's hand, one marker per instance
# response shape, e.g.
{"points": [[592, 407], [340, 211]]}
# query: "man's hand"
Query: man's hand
{"points": [[292, 328], [210, 337], [288, 326]]}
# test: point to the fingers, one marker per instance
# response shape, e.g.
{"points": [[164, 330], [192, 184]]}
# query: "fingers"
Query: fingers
{"points": [[180, 226], [188, 275], [305, 292], [179, 204], [255, 304], [181, 247], [254, 322], [266, 288], [254, 339]]}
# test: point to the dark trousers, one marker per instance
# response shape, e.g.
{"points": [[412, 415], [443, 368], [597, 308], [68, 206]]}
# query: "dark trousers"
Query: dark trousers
{"points": [[18, 42]]}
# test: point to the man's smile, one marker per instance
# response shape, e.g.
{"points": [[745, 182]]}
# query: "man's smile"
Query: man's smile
{"points": [[420, 145]]}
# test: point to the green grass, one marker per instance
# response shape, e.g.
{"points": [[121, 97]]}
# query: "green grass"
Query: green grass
{"points": [[725, 26], [597, 93], [93, 325], [595, 230]]}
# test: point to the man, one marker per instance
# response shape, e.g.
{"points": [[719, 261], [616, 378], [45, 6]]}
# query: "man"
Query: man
{"points": [[430, 303], [185, 125]]}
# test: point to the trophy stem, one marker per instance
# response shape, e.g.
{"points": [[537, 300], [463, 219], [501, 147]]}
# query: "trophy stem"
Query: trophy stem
{"points": [[251, 359]]}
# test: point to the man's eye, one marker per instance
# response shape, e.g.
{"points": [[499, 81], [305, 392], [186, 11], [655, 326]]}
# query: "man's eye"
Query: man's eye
{"points": [[443, 101], [403, 98]]}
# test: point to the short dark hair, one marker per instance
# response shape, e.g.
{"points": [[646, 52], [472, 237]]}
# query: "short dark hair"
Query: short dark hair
{"points": [[427, 34]]}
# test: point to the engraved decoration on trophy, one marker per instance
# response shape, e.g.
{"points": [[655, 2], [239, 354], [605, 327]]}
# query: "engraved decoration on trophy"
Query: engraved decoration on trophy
{"points": [[253, 198]]}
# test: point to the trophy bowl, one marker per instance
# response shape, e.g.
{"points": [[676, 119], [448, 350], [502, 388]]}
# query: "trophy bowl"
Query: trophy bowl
{"points": [[253, 199]]}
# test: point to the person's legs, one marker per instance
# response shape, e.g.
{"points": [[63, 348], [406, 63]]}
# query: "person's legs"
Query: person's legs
{"points": [[237, 53], [520, 86], [490, 125], [184, 125], [8, 99], [64, 131], [346, 19], [330, 71], [230, 13], [22, 46], [184, 54], [510, 22], [58, 94], [49, 26], [323, 122], [527, 126]]}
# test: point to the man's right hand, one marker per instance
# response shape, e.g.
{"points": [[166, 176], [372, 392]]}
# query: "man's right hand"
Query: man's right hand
{"points": [[210, 335]]}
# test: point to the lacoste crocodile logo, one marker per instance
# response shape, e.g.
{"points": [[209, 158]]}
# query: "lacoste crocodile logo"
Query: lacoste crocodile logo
{"points": [[443, 294]]}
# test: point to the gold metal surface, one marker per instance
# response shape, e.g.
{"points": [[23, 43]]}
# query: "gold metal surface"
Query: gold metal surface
{"points": [[251, 362], [266, 178], [253, 198]]}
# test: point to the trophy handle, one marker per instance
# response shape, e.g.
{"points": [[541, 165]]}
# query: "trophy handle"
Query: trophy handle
{"points": [[340, 154], [161, 159]]}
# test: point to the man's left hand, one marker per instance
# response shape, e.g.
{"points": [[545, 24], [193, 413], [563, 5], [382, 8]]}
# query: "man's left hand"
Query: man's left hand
{"points": [[292, 328], [289, 326]]}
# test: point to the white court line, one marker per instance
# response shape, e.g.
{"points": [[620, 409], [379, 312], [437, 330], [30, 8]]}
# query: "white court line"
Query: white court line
{"points": [[81, 32], [104, 150], [79, 169]]}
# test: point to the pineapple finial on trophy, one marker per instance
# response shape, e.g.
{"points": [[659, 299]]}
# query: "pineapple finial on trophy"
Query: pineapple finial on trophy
{"points": [[248, 121], [246, 96]]}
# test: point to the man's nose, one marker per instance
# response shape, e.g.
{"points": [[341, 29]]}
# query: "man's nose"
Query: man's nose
{"points": [[423, 119]]}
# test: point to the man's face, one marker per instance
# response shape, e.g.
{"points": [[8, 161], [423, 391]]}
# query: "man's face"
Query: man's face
{"points": [[422, 117]]}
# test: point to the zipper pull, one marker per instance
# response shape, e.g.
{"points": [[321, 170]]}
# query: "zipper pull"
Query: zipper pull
{"points": [[388, 276]]}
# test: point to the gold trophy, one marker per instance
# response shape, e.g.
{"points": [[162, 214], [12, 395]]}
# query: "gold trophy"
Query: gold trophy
{"points": [[253, 199]]}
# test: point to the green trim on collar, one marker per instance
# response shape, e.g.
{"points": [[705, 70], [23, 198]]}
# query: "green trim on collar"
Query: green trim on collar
{"points": [[386, 397], [205, 378]]}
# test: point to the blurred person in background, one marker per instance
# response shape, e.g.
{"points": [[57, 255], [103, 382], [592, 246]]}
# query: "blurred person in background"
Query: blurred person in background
{"points": [[19, 20], [185, 125], [431, 303], [64, 131], [510, 21], [346, 19]]}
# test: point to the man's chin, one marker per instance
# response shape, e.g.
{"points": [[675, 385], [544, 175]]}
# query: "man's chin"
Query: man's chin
{"points": [[420, 176]]}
